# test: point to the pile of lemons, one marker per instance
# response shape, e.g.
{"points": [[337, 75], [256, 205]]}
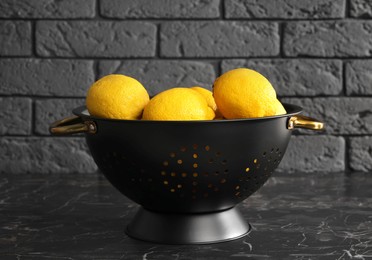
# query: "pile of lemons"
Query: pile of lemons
{"points": [[238, 93]]}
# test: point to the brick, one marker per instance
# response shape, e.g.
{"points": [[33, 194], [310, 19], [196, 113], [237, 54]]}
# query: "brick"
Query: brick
{"points": [[358, 77], [361, 8], [328, 38], [341, 115], [157, 76], [47, 9], [95, 39], [15, 38], [21, 155], [219, 39], [49, 110], [45, 77], [15, 116], [286, 9], [160, 9], [306, 77], [310, 154], [360, 153]]}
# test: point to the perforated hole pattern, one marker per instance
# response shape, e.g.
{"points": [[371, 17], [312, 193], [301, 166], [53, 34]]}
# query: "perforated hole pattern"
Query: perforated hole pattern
{"points": [[207, 175]]}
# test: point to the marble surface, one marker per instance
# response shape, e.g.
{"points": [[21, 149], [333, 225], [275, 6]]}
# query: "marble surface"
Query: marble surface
{"points": [[84, 217]]}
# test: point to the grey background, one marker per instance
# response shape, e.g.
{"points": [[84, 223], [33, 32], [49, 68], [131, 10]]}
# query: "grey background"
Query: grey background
{"points": [[317, 54]]}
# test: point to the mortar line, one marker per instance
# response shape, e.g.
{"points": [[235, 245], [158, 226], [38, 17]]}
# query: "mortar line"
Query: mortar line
{"points": [[343, 77], [33, 117], [346, 156], [222, 10], [97, 10], [184, 19], [219, 68], [33, 39], [157, 41], [347, 9], [206, 58]]}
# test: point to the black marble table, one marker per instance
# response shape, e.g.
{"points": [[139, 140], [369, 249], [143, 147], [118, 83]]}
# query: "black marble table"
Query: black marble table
{"points": [[83, 217]]}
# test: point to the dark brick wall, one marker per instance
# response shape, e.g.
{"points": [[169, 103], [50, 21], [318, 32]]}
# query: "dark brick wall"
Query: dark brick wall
{"points": [[317, 54]]}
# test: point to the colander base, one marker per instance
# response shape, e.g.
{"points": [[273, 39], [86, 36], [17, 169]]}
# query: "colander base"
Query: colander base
{"points": [[201, 228]]}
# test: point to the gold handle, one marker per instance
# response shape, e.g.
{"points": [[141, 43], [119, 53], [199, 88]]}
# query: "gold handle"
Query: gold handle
{"points": [[72, 125], [300, 121]]}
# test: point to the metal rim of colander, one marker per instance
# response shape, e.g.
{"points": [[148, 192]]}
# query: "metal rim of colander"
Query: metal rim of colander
{"points": [[294, 110]]}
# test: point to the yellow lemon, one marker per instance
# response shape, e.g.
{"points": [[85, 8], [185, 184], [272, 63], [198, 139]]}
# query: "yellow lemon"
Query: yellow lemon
{"points": [[117, 96], [208, 95], [244, 93], [279, 109], [178, 104]]}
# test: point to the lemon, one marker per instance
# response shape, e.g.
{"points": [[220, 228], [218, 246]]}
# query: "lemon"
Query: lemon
{"points": [[117, 96], [279, 109], [178, 104], [208, 95], [244, 93]]}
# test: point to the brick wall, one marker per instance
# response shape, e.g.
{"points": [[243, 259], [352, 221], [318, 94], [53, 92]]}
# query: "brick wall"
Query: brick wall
{"points": [[317, 54]]}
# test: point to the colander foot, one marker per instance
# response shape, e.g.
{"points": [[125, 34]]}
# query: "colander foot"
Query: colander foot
{"points": [[201, 228]]}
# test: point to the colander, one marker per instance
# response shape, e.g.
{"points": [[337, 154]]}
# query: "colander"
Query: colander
{"points": [[188, 176]]}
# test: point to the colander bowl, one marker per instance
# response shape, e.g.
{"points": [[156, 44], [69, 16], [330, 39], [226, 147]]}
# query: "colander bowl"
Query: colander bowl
{"points": [[188, 176]]}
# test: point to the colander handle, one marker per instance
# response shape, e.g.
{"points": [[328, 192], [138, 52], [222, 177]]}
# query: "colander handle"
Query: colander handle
{"points": [[300, 121], [72, 125]]}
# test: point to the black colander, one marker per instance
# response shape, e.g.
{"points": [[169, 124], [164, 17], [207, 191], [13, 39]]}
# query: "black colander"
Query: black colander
{"points": [[188, 176]]}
